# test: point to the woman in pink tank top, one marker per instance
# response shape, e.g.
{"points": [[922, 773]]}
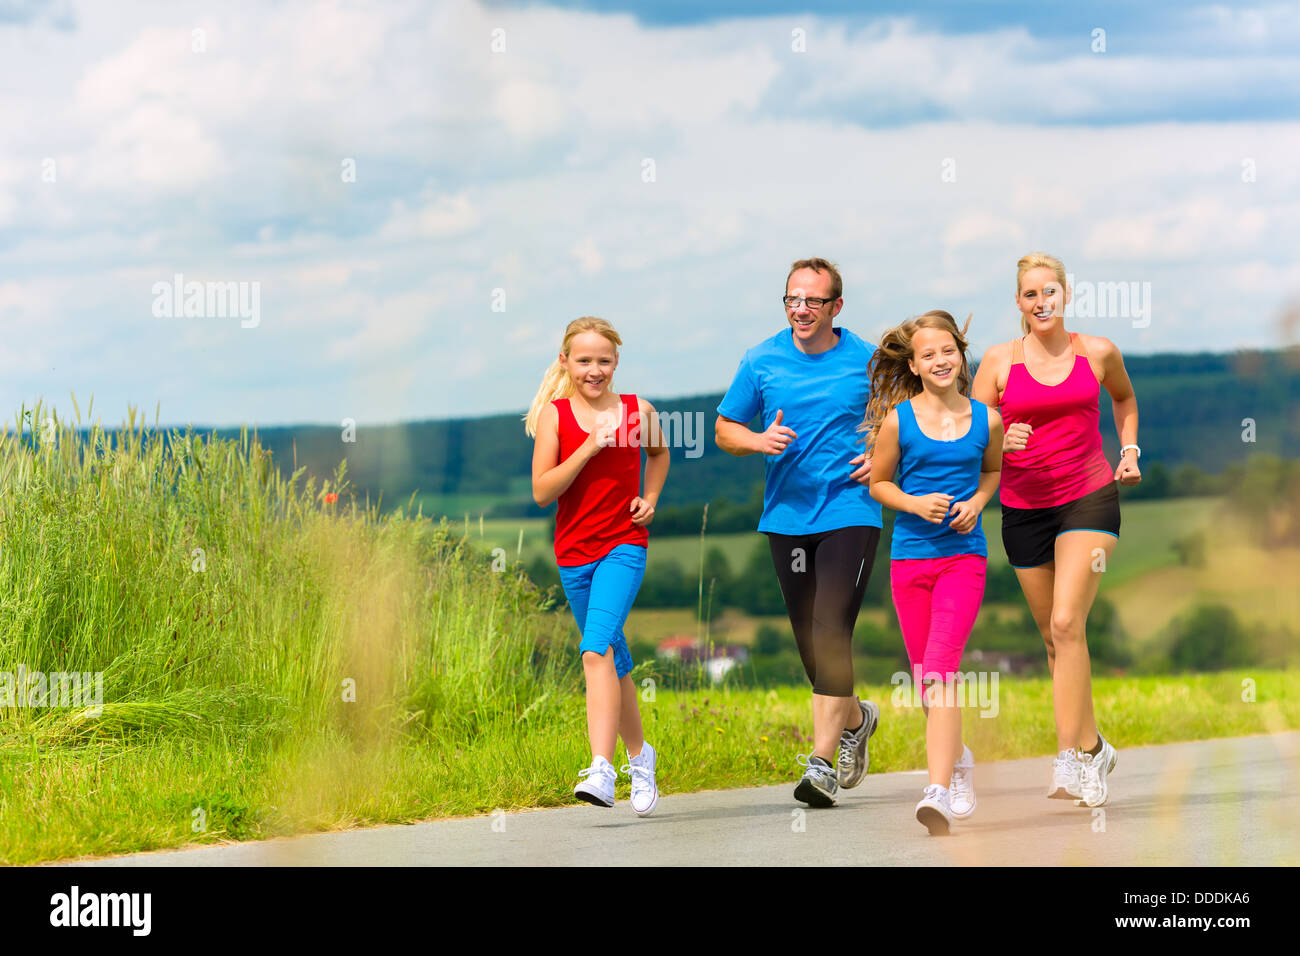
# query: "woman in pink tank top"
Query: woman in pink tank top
{"points": [[1060, 502]]}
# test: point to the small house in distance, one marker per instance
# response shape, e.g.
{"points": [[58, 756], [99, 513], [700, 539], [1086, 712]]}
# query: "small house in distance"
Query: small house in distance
{"points": [[719, 660]]}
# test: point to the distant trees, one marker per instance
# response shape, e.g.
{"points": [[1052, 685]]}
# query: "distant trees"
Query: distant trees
{"points": [[1265, 492], [1209, 638]]}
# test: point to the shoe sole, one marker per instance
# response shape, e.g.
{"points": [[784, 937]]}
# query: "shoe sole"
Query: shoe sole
{"points": [[933, 820], [810, 795], [591, 798], [1060, 793]]}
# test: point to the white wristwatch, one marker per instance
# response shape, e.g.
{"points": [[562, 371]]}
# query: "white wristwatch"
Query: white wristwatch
{"points": [[1127, 447]]}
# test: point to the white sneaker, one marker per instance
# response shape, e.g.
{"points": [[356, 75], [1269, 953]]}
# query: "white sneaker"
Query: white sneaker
{"points": [[961, 789], [1092, 775], [935, 810], [1065, 776], [598, 788], [641, 768]]}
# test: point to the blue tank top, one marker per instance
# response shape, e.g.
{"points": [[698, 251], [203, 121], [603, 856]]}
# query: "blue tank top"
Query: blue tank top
{"points": [[927, 465]]}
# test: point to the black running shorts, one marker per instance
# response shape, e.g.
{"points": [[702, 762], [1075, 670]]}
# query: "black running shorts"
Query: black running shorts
{"points": [[1029, 534]]}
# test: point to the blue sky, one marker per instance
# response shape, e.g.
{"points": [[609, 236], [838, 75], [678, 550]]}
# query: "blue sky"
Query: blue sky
{"points": [[502, 156]]}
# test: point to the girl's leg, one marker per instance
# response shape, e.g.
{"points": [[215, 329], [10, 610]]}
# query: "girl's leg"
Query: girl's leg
{"points": [[603, 702], [909, 587], [1075, 588], [576, 581], [614, 584], [942, 730], [954, 604], [1038, 584], [629, 719]]}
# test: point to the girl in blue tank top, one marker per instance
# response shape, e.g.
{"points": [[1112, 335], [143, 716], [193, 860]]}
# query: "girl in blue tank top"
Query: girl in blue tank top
{"points": [[936, 457]]}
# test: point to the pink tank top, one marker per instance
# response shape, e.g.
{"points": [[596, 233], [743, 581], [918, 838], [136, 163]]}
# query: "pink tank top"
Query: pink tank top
{"points": [[1063, 459]]}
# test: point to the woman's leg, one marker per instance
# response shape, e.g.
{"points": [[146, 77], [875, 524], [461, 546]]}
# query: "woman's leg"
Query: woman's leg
{"points": [[1078, 574], [1038, 584]]}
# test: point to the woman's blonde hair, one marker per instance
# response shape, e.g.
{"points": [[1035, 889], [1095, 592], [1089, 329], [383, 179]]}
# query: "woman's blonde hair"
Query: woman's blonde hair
{"points": [[1038, 260], [557, 383], [892, 382]]}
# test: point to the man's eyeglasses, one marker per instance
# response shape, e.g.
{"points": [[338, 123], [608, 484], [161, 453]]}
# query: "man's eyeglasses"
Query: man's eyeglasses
{"points": [[814, 303]]}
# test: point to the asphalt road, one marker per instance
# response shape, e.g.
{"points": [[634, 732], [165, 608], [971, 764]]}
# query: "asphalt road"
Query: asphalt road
{"points": [[1217, 802]]}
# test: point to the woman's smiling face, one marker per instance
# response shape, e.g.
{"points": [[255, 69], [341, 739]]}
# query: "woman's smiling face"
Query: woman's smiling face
{"points": [[1041, 299]]}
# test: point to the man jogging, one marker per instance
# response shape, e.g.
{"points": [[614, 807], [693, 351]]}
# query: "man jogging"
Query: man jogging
{"points": [[809, 385]]}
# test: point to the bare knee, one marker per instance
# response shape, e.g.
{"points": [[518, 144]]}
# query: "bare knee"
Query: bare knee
{"points": [[1067, 628], [590, 659]]}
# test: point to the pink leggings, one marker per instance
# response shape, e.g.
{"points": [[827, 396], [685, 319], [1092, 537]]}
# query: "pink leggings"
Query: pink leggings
{"points": [[937, 600]]}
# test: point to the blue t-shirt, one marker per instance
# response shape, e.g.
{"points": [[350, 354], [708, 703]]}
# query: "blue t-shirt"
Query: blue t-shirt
{"points": [[823, 398], [927, 465]]}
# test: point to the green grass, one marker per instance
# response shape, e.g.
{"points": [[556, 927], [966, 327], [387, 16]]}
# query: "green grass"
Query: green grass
{"points": [[275, 662]]}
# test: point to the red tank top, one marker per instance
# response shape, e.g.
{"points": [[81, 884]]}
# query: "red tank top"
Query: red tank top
{"points": [[594, 514], [1063, 459]]}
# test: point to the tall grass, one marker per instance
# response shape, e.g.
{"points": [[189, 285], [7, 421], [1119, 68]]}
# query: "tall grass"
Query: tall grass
{"points": [[236, 614]]}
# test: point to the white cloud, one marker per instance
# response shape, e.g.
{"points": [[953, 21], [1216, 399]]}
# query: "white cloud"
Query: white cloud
{"points": [[436, 217]]}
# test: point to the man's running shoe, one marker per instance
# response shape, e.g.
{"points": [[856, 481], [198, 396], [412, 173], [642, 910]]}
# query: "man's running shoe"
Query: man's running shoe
{"points": [[818, 786], [853, 757]]}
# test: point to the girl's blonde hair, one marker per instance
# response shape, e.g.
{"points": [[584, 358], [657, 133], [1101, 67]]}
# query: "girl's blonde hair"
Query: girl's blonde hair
{"points": [[892, 382], [1038, 260], [557, 383]]}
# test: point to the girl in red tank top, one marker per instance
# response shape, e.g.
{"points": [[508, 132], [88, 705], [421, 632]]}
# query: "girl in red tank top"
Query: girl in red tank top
{"points": [[587, 456], [1060, 504]]}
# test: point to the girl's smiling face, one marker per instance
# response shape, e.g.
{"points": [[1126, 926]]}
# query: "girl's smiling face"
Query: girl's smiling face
{"points": [[590, 363], [1041, 299], [935, 358]]}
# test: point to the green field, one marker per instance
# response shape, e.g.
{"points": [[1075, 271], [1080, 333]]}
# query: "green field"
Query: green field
{"points": [[1148, 531]]}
